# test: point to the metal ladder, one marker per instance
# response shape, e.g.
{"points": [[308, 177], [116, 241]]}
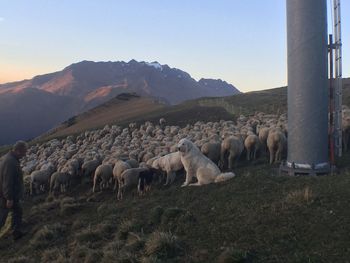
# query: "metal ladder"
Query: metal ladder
{"points": [[338, 87]]}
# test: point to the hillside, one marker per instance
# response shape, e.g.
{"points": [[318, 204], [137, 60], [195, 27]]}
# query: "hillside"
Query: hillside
{"points": [[259, 216], [202, 109], [122, 107], [87, 84]]}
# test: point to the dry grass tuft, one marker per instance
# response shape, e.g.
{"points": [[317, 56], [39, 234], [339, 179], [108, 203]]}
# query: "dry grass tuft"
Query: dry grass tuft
{"points": [[299, 197], [111, 251], [54, 255], [231, 255], [127, 226], [47, 235], [20, 259], [172, 213], [106, 210], [156, 215], [44, 207], [89, 235], [163, 245], [85, 254]]}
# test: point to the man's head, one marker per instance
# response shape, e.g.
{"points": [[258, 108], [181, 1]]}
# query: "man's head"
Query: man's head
{"points": [[20, 149]]}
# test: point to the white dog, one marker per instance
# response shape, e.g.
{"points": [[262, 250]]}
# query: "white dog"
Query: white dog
{"points": [[198, 165]]}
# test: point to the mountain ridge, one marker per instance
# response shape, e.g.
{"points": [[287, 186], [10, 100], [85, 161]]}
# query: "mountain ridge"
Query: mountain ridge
{"points": [[86, 84]]}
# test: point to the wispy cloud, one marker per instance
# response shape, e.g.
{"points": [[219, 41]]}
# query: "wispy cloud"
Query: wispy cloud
{"points": [[1, 19]]}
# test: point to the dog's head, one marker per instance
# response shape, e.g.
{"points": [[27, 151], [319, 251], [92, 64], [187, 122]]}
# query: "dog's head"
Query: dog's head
{"points": [[184, 145]]}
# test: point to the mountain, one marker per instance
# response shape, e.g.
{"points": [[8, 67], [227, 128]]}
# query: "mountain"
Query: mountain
{"points": [[31, 107], [208, 109]]}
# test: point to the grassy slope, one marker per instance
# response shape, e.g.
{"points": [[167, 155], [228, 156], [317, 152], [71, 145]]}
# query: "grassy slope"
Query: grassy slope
{"points": [[259, 215]]}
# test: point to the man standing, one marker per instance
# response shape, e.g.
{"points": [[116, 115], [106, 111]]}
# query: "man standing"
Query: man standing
{"points": [[11, 187]]}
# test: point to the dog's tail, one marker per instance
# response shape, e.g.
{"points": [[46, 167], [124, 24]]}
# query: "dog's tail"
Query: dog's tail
{"points": [[224, 177]]}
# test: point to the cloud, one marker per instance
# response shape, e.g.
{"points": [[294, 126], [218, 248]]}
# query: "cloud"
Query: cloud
{"points": [[1, 19]]}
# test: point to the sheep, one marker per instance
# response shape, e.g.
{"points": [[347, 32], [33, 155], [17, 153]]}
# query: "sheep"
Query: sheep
{"points": [[251, 144], [133, 163], [162, 123], [104, 172], [145, 180], [276, 142], [59, 180], [212, 150], [119, 167], [129, 178], [40, 179], [89, 167], [263, 134], [231, 149]]}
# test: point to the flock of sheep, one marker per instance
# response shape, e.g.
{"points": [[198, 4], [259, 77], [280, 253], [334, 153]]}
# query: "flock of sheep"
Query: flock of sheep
{"points": [[134, 157]]}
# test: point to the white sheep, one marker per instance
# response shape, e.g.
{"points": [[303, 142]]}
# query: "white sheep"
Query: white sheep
{"points": [[59, 180], [119, 167], [40, 180], [104, 172]]}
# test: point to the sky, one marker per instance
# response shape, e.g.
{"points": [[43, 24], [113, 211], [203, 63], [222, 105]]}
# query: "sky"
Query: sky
{"points": [[241, 42]]}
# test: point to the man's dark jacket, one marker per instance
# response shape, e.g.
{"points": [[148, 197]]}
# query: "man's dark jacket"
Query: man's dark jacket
{"points": [[11, 178]]}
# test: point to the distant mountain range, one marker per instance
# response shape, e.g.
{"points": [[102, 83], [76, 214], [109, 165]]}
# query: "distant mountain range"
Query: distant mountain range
{"points": [[29, 108]]}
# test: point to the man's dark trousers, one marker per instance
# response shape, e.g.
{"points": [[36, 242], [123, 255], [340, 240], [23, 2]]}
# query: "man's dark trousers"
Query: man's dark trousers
{"points": [[16, 215]]}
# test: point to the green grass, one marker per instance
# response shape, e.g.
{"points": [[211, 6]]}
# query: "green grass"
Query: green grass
{"points": [[258, 216]]}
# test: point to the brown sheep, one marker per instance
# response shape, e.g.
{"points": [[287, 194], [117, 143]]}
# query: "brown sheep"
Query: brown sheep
{"points": [[251, 143], [212, 150], [231, 149], [276, 143], [263, 134]]}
